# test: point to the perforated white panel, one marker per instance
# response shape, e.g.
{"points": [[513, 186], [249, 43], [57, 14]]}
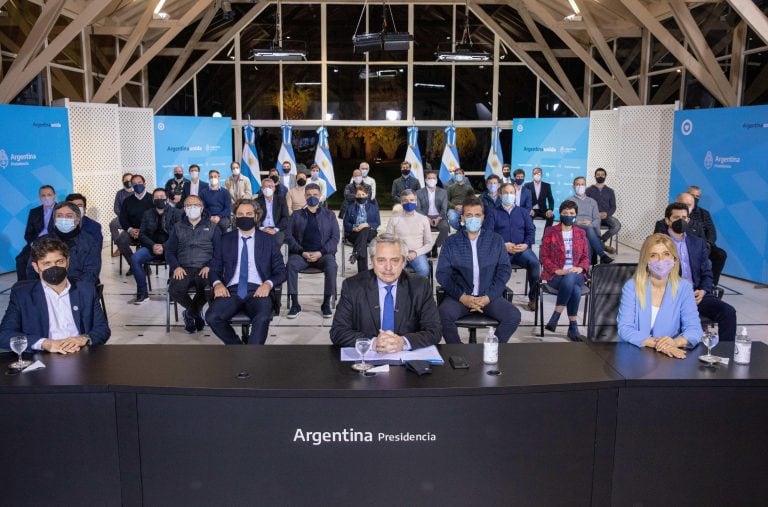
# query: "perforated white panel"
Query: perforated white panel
{"points": [[95, 143], [137, 143], [634, 145]]}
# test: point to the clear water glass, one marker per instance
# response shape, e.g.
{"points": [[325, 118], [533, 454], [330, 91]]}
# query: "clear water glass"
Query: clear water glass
{"points": [[19, 345], [362, 345]]}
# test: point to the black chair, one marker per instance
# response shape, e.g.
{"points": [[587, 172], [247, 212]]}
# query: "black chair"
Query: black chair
{"points": [[515, 267], [148, 269], [344, 243], [611, 239], [100, 294], [475, 320], [545, 288], [606, 284]]}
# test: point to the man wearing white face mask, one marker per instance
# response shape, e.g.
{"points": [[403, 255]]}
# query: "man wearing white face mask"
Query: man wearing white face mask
{"points": [[588, 218], [367, 179], [274, 220], [217, 202], [189, 251], [87, 224], [433, 203], [350, 191], [85, 254], [238, 186], [37, 225], [314, 177], [543, 201]]}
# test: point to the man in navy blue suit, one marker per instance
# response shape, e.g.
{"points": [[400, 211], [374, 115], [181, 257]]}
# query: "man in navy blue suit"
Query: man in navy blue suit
{"points": [[55, 314], [473, 269], [87, 224], [516, 228], [523, 196], [696, 267], [246, 265], [37, 225]]}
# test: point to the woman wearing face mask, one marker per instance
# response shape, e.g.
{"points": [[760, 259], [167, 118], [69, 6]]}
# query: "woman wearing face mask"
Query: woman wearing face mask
{"points": [[658, 309], [564, 256], [360, 226]]}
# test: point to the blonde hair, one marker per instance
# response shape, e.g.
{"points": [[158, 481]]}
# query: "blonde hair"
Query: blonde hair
{"points": [[642, 274]]}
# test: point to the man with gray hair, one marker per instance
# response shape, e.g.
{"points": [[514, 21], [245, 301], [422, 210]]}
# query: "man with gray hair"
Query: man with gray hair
{"points": [[387, 304]]}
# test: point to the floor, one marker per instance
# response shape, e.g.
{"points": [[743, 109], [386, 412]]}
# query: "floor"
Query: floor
{"points": [[145, 324]]}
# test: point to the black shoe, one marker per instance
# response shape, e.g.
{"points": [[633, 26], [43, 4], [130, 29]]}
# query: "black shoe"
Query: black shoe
{"points": [[129, 272], [141, 298], [325, 308], [189, 322], [605, 259], [573, 333], [550, 327], [199, 323], [294, 311]]}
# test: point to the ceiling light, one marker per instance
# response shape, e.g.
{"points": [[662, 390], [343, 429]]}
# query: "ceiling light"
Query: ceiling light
{"points": [[574, 6], [465, 51], [393, 115], [159, 7], [386, 39], [277, 51], [572, 18]]}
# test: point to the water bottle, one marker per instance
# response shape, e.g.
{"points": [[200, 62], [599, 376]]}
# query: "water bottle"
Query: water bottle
{"points": [[743, 351], [491, 348]]}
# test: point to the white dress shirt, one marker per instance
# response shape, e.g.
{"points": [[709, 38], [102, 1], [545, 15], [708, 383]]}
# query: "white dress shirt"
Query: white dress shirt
{"points": [[61, 321], [475, 267], [194, 188], [537, 188], [269, 220], [432, 212], [253, 273]]}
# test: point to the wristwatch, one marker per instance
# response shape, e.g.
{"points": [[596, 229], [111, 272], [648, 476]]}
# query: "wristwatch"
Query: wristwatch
{"points": [[88, 338]]}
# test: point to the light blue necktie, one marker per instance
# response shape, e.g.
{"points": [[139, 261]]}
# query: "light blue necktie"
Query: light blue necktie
{"points": [[242, 282], [388, 318]]}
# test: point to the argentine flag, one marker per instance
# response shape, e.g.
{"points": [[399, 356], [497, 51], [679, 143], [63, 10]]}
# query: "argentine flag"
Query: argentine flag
{"points": [[286, 152], [323, 160], [249, 165], [495, 156], [413, 156], [450, 159]]}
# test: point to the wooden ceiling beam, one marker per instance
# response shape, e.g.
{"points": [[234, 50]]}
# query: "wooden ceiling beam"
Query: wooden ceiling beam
{"points": [[36, 37], [754, 17]]}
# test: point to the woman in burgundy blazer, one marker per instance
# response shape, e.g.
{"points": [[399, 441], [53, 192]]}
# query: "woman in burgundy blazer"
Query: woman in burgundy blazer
{"points": [[564, 256]]}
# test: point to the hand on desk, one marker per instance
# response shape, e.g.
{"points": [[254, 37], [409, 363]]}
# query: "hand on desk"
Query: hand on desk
{"points": [[388, 342], [667, 346], [66, 346]]}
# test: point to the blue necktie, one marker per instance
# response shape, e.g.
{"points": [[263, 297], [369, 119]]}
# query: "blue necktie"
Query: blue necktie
{"points": [[242, 282], [388, 318]]}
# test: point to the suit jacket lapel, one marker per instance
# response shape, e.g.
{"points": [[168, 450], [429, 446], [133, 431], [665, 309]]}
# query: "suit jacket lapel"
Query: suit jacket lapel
{"points": [[38, 296], [402, 302], [75, 302], [258, 253], [373, 302]]}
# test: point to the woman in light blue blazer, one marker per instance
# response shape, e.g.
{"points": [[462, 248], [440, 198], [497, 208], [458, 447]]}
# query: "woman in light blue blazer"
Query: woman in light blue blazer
{"points": [[658, 309]]}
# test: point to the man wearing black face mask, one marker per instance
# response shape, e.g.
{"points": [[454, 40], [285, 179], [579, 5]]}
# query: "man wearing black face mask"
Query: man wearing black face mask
{"points": [[696, 267], [56, 315], [406, 180], [156, 226], [506, 174], [174, 187], [246, 265], [717, 255], [114, 226], [131, 214], [605, 198], [84, 252]]}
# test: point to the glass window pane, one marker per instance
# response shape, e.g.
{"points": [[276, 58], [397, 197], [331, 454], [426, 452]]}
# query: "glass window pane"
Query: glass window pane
{"points": [[341, 23], [301, 92], [664, 88], [696, 96], [260, 90], [346, 92], [103, 54], [259, 33], [601, 97], [397, 20], [72, 54], [182, 104], [628, 55], [66, 84], [387, 85], [301, 28], [434, 25], [517, 92], [228, 54], [755, 79], [216, 90], [474, 85], [432, 92], [550, 105], [131, 95]]}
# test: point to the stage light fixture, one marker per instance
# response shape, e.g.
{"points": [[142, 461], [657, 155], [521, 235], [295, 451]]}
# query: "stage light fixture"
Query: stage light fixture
{"points": [[465, 50], [277, 51], [386, 39]]}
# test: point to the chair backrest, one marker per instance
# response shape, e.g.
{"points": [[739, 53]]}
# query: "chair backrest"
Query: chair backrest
{"points": [[605, 293]]}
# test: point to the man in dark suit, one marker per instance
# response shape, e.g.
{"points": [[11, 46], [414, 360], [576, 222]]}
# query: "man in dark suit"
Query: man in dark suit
{"points": [[433, 203], [473, 269], [523, 196], [54, 314], [246, 265], [717, 255], [193, 186], [313, 239], [275, 211], [393, 307], [696, 267], [87, 224], [543, 201], [37, 225], [174, 187], [406, 180]]}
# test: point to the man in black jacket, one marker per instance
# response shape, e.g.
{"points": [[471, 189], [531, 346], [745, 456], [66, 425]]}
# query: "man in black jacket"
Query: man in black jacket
{"points": [[543, 201], [131, 214], [189, 251], [393, 307], [156, 226], [717, 255]]}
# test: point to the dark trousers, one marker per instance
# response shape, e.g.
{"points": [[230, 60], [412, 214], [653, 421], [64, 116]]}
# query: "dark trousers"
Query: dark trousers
{"points": [[124, 244], [141, 257], [593, 238], [568, 289], [326, 262], [224, 223], [360, 240], [718, 257], [114, 229], [721, 312], [223, 309], [21, 263], [442, 230], [542, 213], [499, 309], [614, 226], [179, 291], [528, 261]]}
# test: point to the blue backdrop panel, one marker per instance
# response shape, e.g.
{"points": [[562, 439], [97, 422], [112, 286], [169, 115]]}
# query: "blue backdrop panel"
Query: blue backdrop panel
{"points": [[186, 140], [557, 145], [34, 151], [725, 152]]}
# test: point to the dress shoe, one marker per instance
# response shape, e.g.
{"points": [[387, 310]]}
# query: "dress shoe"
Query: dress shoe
{"points": [[531, 306], [608, 248], [606, 260]]}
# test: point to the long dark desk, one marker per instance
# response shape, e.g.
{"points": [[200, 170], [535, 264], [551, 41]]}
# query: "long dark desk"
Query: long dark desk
{"points": [[174, 425]]}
